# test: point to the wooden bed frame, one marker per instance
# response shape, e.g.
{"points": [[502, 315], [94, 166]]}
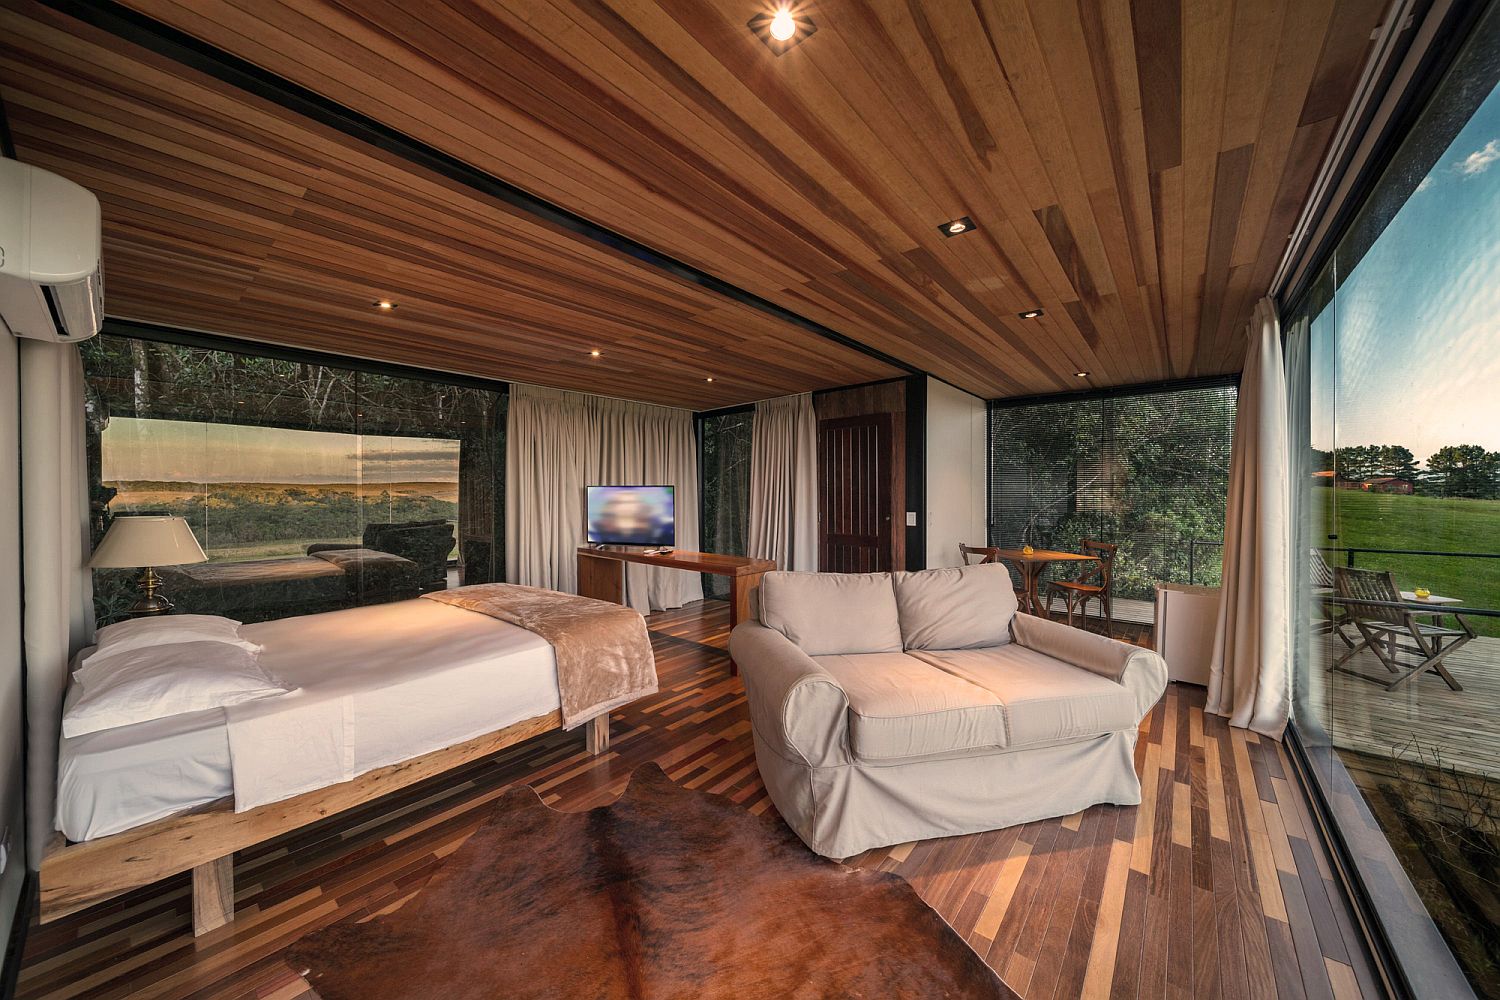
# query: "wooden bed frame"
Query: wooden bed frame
{"points": [[76, 876]]}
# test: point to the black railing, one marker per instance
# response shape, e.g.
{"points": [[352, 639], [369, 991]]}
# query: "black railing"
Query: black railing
{"points": [[1349, 553]]}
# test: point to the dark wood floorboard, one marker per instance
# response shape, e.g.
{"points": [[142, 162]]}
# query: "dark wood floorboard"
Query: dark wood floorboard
{"points": [[1213, 887]]}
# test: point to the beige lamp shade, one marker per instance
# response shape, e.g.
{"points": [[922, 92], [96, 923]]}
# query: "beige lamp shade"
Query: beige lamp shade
{"points": [[147, 540]]}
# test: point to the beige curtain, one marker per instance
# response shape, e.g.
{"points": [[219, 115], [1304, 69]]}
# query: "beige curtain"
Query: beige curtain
{"points": [[58, 616], [1250, 679], [559, 442], [12, 694], [784, 483]]}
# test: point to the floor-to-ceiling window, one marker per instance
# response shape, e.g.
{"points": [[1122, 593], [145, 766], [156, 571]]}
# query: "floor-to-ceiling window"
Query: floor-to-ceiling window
{"points": [[1148, 471], [724, 463], [309, 485], [1394, 365]]}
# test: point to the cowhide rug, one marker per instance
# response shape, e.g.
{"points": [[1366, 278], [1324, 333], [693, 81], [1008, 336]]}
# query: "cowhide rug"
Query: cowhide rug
{"points": [[665, 893]]}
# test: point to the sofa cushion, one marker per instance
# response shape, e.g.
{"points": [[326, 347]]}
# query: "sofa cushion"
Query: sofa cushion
{"points": [[827, 613], [1045, 700], [901, 708], [959, 607]]}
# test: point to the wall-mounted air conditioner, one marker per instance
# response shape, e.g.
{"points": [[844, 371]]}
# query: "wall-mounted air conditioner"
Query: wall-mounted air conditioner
{"points": [[51, 286]]}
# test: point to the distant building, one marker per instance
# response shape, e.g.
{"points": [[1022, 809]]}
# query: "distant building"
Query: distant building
{"points": [[1331, 480], [1387, 484]]}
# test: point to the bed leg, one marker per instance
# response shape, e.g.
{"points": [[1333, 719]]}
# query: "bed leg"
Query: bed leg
{"points": [[596, 734], [213, 894]]}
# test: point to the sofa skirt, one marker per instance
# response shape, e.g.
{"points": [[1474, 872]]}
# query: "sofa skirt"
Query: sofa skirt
{"points": [[844, 809]]}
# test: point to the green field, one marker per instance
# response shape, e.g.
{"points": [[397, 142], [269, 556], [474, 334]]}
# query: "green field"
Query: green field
{"points": [[1391, 521]]}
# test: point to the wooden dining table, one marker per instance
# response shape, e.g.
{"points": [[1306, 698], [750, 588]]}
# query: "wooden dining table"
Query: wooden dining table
{"points": [[1031, 565]]}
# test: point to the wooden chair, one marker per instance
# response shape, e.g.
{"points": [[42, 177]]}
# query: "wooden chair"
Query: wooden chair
{"points": [[1385, 628], [1334, 617], [1092, 583], [987, 554]]}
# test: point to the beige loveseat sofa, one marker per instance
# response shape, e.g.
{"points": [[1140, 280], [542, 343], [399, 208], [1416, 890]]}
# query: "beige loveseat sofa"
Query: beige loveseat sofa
{"points": [[894, 707]]}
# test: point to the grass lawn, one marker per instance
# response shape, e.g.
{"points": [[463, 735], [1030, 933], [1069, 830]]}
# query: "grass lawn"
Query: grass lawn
{"points": [[1391, 521]]}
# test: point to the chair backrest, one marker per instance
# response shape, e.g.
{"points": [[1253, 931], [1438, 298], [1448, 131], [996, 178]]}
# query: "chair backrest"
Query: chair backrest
{"points": [[1353, 586], [987, 554], [1322, 573], [1101, 572]]}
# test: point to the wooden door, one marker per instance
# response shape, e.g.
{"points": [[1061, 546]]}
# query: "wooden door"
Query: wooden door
{"points": [[854, 494]]}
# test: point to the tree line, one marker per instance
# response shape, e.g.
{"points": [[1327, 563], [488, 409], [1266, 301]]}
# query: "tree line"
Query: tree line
{"points": [[1455, 470]]}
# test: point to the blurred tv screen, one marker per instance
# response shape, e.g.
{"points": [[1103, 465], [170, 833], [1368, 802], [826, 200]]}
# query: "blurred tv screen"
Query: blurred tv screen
{"points": [[630, 515]]}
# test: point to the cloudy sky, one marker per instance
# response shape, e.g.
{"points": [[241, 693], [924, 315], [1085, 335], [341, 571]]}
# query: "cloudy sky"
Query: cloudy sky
{"points": [[1416, 356], [180, 451]]}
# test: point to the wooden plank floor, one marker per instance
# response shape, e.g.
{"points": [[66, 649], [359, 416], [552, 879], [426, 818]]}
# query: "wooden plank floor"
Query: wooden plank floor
{"points": [[1213, 887]]}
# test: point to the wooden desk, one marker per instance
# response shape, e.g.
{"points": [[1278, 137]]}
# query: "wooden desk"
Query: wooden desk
{"points": [[601, 575]]}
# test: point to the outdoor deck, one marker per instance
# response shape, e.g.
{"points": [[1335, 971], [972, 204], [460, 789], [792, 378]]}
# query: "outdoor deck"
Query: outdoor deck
{"points": [[1464, 726]]}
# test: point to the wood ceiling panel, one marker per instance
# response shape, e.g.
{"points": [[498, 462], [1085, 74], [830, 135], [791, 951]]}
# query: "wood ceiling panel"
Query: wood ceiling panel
{"points": [[227, 214], [1134, 167]]}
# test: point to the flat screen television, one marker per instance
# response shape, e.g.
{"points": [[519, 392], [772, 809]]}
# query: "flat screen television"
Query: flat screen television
{"points": [[630, 515]]}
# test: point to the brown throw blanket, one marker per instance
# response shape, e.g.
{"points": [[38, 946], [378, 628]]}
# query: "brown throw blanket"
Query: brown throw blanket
{"points": [[604, 657]]}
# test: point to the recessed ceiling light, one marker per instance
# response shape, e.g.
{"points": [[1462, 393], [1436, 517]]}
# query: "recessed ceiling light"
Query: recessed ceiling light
{"points": [[1081, 374], [1031, 314], [957, 227], [593, 354], [384, 305], [782, 28], [709, 379]]}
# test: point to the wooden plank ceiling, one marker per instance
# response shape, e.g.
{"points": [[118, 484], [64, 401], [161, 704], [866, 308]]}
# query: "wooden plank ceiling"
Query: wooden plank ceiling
{"points": [[1134, 167]]}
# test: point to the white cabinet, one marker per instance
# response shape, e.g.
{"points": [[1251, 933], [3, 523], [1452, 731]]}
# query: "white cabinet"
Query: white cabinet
{"points": [[1185, 618]]}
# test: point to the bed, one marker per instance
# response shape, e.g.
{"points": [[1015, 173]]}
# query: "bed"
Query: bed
{"points": [[431, 685]]}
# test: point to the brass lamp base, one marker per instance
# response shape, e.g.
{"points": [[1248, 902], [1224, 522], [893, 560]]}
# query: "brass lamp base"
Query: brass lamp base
{"points": [[150, 602]]}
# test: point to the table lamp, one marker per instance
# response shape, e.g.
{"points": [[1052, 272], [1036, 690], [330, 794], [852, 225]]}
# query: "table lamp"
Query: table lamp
{"points": [[148, 541]]}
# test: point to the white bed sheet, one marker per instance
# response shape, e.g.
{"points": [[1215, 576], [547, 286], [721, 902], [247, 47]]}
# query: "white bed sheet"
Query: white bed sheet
{"points": [[406, 678]]}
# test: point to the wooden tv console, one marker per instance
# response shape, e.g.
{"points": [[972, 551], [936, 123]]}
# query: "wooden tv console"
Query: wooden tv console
{"points": [[601, 575]]}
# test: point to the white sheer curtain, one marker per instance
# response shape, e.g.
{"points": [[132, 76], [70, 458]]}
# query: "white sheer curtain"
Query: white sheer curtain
{"points": [[559, 442], [784, 483], [58, 611], [1250, 681]]}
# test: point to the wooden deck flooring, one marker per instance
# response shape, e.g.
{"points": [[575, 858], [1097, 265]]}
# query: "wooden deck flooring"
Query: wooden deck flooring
{"points": [[1213, 887], [1464, 726]]}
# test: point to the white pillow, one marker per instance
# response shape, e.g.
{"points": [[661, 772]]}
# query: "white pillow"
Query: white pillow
{"points": [[139, 685], [162, 630]]}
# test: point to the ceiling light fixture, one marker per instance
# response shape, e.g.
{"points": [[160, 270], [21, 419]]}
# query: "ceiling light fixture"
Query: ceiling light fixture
{"points": [[1031, 314], [709, 379], [1081, 374], [957, 227], [384, 305], [782, 28], [594, 353]]}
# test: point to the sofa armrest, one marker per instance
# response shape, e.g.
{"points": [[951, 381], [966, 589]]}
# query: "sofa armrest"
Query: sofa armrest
{"points": [[796, 707], [1141, 671]]}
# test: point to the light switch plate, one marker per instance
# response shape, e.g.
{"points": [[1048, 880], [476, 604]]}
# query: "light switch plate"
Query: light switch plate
{"points": [[911, 519]]}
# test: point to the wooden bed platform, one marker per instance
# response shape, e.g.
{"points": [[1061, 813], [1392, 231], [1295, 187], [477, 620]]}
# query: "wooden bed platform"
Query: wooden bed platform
{"points": [[75, 876]]}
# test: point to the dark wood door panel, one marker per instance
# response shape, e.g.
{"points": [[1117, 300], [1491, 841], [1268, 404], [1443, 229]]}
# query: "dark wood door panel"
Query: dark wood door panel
{"points": [[854, 494]]}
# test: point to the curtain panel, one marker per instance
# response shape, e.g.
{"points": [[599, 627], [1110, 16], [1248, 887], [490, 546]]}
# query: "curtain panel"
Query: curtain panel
{"points": [[58, 611], [559, 442], [1250, 678], [784, 483]]}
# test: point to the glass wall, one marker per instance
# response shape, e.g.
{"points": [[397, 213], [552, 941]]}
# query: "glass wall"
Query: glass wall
{"points": [[724, 461], [1394, 365], [1146, 471], [310, 486]]}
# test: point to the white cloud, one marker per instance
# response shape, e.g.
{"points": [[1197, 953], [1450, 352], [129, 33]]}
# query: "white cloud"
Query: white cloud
{"points": [[1479, 161], [1426, 183]]}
